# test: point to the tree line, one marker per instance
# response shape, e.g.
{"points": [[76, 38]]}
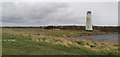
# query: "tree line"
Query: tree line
{"points": [[101, 28]]}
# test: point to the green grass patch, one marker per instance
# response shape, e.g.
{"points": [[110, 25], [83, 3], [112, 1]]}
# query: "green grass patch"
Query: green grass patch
{"points": [[23, 45]]}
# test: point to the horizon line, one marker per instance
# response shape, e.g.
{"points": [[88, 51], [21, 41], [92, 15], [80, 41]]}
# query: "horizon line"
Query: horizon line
{"points": [[49, 25]]}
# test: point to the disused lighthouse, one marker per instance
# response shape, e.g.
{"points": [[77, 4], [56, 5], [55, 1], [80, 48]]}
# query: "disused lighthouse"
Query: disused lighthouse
{"points": [[88, 21]]}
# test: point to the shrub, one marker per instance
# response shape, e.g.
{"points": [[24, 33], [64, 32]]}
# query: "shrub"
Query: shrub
{"points": [[81, 42]]}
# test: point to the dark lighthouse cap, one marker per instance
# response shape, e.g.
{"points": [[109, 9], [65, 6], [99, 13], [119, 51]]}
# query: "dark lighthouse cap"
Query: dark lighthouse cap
{"points": [[88, 12]]}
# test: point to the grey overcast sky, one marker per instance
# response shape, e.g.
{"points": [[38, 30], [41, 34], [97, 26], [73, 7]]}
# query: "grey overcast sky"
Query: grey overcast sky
{"points": [[58, 13]]}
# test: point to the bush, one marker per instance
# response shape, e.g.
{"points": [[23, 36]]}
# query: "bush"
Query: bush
{"points": [[81, 42]]}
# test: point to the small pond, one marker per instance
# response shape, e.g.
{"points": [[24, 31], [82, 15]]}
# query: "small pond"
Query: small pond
{"points": [[106, 37]]}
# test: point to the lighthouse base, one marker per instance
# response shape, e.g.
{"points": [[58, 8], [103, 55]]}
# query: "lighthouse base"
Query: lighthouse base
{"points": [[89, 30]]}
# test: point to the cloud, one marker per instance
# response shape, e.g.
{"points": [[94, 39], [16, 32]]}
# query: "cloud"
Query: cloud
{"points": [[46, 13]]}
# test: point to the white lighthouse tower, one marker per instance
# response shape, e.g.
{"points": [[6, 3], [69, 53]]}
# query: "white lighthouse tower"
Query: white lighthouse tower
{"points": [[88, 21]]}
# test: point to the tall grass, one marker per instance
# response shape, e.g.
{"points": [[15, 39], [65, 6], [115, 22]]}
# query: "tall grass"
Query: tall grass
{"points": [[24, 45]]}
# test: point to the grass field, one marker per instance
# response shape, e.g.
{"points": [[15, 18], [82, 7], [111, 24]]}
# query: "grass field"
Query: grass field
{"points": [[34, 41]]}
